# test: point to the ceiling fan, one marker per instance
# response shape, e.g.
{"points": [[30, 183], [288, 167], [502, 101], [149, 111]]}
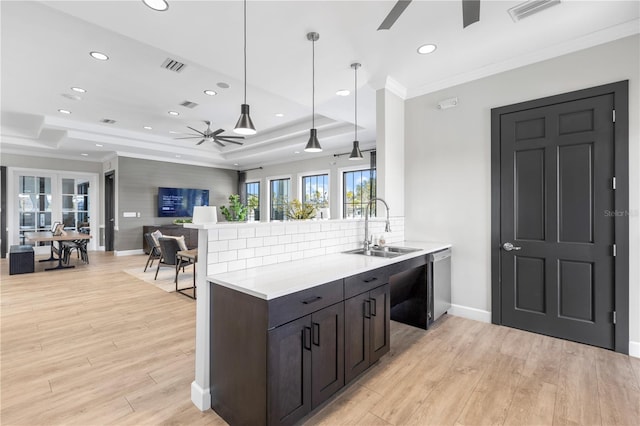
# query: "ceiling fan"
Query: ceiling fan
{"points": [[470, 13], [213, 136]]}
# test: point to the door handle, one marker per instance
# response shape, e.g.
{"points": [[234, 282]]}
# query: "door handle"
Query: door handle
{"points": [[306, 338], [509, 247], [367, 312], [373, 307], [316, 334]]}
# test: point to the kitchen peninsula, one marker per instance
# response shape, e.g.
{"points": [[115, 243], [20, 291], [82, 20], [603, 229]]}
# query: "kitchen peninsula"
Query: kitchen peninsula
{"points": [[265, 264]]}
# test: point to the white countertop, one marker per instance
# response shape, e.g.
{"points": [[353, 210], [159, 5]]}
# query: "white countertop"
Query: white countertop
{"points": [[272, 281]]}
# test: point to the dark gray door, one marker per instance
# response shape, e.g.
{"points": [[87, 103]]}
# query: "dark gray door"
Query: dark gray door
{"points": [[109, 210], [556, 189], [327, 353]]}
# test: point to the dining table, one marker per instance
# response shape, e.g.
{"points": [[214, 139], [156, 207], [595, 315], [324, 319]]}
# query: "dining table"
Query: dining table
{"points": [[48, 236]]}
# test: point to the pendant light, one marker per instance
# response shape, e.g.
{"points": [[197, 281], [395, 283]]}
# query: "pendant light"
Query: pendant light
{"points": [[355, 152], [244, 126], [313, 145]]}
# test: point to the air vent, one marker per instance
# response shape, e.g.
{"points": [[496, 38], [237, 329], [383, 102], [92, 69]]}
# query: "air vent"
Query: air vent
{"points": [[173, 65], [107, 121], [189, 104], [531, 7]]}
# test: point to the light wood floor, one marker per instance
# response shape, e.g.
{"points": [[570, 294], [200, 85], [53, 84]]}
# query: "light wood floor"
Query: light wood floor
{"points": [[96, 346]]}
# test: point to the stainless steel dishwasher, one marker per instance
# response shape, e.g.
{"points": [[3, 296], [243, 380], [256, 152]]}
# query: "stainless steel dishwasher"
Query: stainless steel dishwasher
{"points": [[439, 284]]}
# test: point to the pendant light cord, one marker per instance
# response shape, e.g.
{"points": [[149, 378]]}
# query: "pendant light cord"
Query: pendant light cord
{"points": [[356, 100], [245, 51], [313, 84]]}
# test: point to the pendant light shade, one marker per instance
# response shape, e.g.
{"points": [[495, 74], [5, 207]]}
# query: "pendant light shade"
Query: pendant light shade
{"points": [[245, 126], [355, 152], [314, 144]]}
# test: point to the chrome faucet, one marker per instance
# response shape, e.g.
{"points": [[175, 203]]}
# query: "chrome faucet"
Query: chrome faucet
{"points": [[367, 211]]}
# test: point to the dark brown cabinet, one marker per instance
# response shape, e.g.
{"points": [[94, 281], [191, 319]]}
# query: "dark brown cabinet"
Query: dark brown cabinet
{"points": [[367, 330], [306, 364]]}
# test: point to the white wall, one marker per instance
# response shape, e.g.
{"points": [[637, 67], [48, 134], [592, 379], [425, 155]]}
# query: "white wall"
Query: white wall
{"points": [[447, 160], [390, 146]]}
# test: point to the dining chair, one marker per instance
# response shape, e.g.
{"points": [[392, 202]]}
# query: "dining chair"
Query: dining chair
{"points": [[154, 251]]}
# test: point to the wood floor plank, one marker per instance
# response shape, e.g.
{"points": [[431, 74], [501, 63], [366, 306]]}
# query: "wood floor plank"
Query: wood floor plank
{"points": [[97, 346]]}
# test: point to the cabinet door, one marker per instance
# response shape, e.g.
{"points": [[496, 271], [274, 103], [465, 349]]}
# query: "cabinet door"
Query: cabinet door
{"points": [[327, 353], [356, 339], [379, 322], [289, 375]]}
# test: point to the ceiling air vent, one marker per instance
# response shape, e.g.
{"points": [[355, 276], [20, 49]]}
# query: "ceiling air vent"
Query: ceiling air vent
{"points": [[189, 104], [531, 7], [173, 65], [107, 121]]}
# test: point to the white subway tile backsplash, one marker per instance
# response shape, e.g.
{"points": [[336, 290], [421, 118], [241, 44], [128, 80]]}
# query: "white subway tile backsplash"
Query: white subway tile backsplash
{"points": [[246, 232], [226, 256], [228, 233], [263, 231], [255, 242], [239, 246], [270, 241], [240, 243], [215, 246]]}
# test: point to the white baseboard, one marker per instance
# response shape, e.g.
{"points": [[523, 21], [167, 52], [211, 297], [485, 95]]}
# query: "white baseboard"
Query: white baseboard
{"points": [[470, 313], [201, 398], [634, 349], [128, 252]]}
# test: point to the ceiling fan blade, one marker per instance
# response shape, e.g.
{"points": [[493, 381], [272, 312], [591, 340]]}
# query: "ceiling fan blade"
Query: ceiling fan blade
{"points": [[395, 13], [217, 132], [201, 141], [470, 12], [230, 141], [231, 137], [218, 142], [190, 137], [197, 131]]}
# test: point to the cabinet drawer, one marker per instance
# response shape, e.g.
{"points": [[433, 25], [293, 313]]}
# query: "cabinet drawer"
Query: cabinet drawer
{"points": [[292, 306], [365, 281]]}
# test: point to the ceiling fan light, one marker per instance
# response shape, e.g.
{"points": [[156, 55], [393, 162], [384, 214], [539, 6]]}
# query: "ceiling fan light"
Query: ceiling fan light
{"points": [[356, 154], [244, 126], [314, 144]]}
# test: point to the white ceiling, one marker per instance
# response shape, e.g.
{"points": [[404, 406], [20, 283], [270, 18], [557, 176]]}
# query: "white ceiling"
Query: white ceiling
{"points": [[46, 45]]}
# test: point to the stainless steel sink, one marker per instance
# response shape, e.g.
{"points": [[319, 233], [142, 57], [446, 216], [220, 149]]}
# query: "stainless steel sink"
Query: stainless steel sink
{"points": [[386, 251], [373, 253]]}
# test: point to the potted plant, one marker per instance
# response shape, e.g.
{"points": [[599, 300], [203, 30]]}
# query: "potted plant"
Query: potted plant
{"points": [[236, 212], [252, 204], [300, 211]]}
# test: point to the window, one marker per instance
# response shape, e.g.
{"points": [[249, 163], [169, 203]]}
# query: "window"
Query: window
{"points": [[279, 198], [359, 187], [315, 190], [75, 203], [253, 199], [34, 205]]}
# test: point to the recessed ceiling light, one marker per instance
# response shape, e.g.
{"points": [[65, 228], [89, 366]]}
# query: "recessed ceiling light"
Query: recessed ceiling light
{"points": [[222, 85], [78, 89], [64, 111], [425, 49], [343, 92], [174, 113], [296, 152], [178, 155], [159, 5], [279, 114], [84, 155], [99, 56], [148, 127], [210, 92], [236, 164], [99, 145], [173, 132], [72, 96]]}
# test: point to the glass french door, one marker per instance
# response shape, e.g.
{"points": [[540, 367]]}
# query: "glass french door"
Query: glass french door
{"points": [[44, 198]]}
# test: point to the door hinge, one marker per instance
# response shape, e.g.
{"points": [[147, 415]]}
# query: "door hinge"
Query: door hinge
{"points": [[614, 250], [615, 317], [613, 182], [614, 115]]}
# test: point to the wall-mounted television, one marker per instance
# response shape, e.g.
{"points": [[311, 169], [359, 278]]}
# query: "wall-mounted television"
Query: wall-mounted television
{"points": [[179, 202]]}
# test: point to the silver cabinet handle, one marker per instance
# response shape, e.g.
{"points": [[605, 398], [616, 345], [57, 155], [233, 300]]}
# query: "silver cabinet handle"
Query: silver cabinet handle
{"points": [[509, 247]]}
